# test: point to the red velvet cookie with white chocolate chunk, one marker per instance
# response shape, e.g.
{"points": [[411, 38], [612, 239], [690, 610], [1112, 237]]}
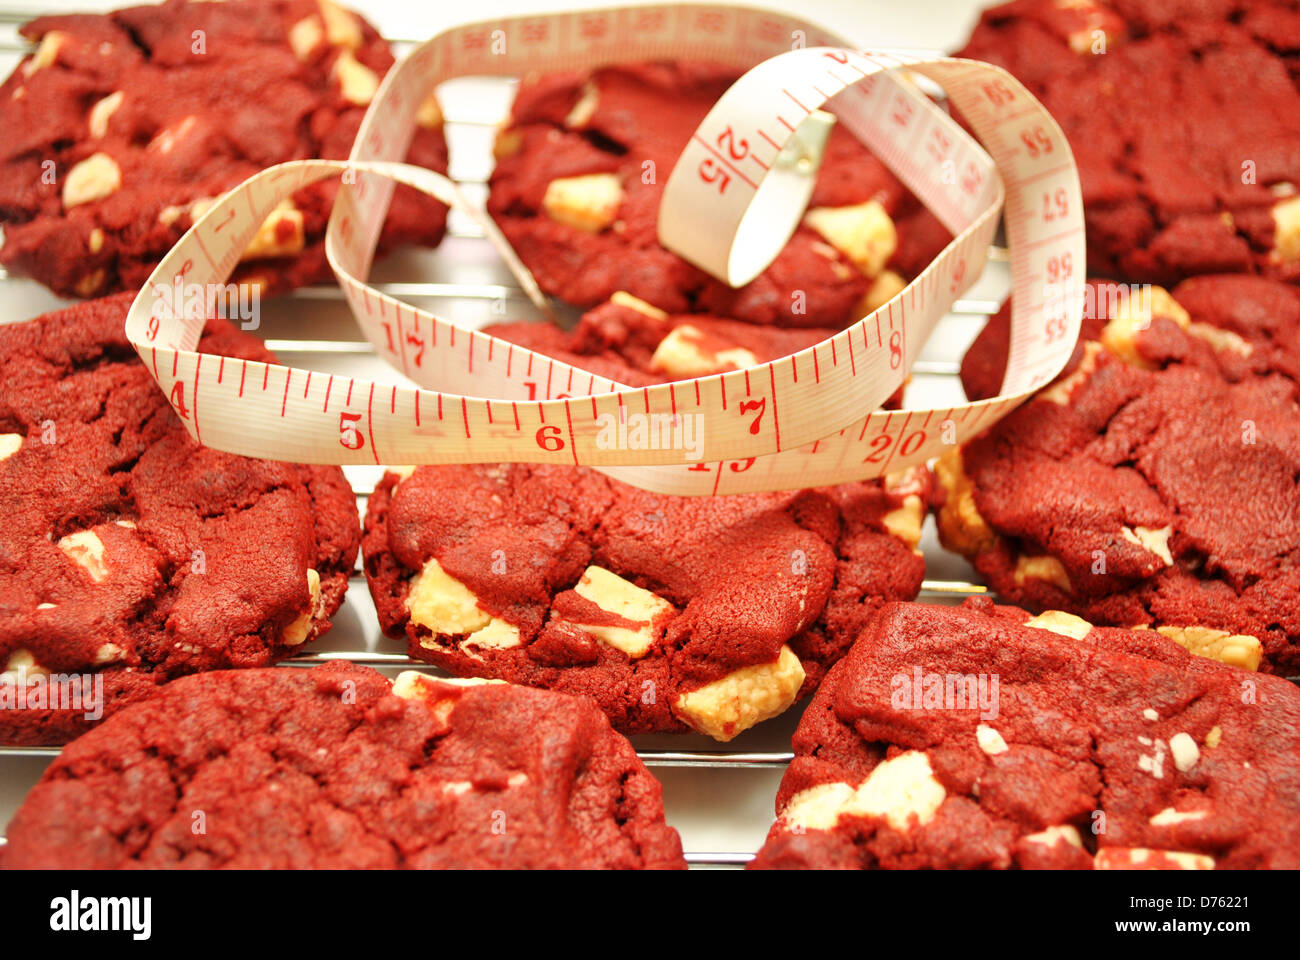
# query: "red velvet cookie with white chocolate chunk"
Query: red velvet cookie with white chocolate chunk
{"points": [[1183, 118], [131, 553], [577, 185], [1157, 483], [977, 738], [670, 612], [123, 127], [336, 768]]}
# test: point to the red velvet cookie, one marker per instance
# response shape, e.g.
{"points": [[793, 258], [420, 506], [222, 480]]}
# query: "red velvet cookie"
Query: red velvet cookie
{"points": [[1183, 118], [336, 768], [670, 612], [123, 127], [576, 191], [1155, 484], [129, 553], [976, 738]]}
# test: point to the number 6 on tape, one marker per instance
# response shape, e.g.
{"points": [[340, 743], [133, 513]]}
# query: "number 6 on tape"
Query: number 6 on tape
{"points": [[732, 200]]}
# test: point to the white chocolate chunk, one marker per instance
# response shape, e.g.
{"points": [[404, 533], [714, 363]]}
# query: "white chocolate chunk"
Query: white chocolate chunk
{"points": [[95, 242], [905, 522], [1041, 568], [902, 791], [22, 663], [94, 178], [862, 232], [46, 53], [1150, 714], [589, 202], [682, 354], [884, 288], [101, 112], [165, 142], [1132, 315], [357, 82], [1058, 621], [305, 36], [1168, 817], [625, 299], [1286, 230], [429, 115], [1063, 833], [585, 108], [990, 740], [108, 653], [1239, 650], [1156, 541], [1184, 751], [280, 235], [1143, 858], [730, 705], [615, 595], [1059, 392], [86, 549], [296, 632], [1213, 738], [435, 692], [444, 605], [10, 443], [342, 28]]}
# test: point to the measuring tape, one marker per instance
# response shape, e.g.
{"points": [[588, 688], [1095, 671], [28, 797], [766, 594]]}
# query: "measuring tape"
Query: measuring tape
{"points": [[730, 204]]}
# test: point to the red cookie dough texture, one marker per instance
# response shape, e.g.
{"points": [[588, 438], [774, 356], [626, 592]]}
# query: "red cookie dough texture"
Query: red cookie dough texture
{"points": [[580, 167], [131, 552], [1183, 118], [336, 768], [122, 128], [1156, 483], [672, 613], [1106, 749]]}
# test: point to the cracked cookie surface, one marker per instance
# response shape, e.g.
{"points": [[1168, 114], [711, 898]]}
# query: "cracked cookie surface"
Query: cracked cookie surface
{"points": [[1157, 483], [124, 127], [576, 190], [1098, 748], [336, 768], [1183, 119], [671, 612], [129, 550]]}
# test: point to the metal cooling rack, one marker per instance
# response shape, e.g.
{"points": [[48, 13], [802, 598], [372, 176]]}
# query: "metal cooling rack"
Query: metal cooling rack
{"points": [[312, 328]]}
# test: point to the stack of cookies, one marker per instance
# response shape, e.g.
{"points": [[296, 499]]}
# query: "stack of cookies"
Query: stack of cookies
{"points": [[1142, 512]]}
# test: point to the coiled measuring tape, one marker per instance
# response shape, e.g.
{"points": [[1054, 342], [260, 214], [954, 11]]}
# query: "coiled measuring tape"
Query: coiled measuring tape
{"points": [[732, 200]]}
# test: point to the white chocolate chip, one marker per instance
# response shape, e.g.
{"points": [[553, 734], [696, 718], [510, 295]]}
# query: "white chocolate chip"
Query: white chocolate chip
{"points": [[589, 202], [863, 232], [91, 283], [166, 140], [46, 53], [990, 740], [357, 82], [1136, 858], [1184, 751], [744, 697], [20, 664], [433, 691], [1213, 738], [1286, 230], [625, 299], [884, 288], [101, 112], [305, 36], [457, 788], [1063, 833], [87, 550], [1150, 714], [961, 527], [1059, 392], [94, 178], [585, 108], [1058, 621], [444, 605], [1168, 817], [280, 235], [902, 791], [904, 522], [1132, 315], [1156, 541], [1238, 650], [95, 242], [10, 443], [108, 653], [429, 115], [342, 28], [1041, 568], [296, 632], [682, 354], [615, 595]]}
